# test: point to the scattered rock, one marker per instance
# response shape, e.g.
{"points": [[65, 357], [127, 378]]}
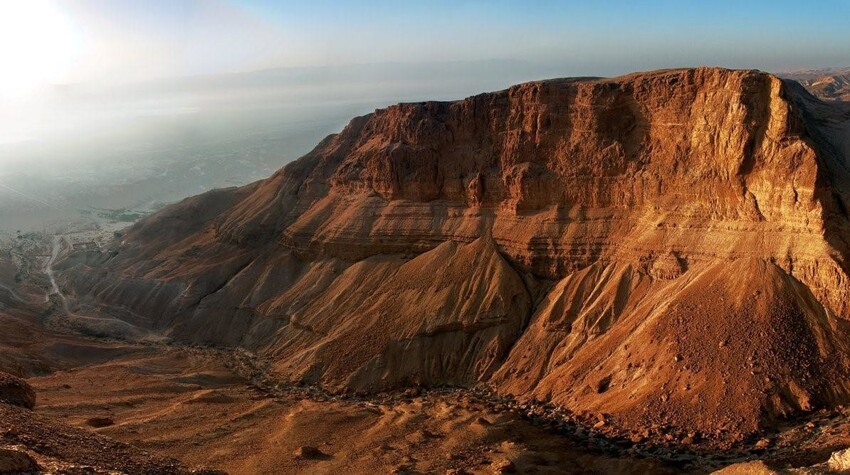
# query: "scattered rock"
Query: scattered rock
{"points": [[307, 452], [16, 461], [16, 391], [601, 420], [503, 466], [412, 392]]}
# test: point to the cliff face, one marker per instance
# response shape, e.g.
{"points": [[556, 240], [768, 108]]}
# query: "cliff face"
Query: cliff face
{"points": [[568, 240], [712, 163]]}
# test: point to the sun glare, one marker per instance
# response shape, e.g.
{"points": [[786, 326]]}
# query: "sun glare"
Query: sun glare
{"points": [[37, 46]]}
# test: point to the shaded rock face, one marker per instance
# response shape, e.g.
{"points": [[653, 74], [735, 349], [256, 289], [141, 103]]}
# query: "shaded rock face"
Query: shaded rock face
{"points": [[16, 391], [567, 240], [16, 461]]}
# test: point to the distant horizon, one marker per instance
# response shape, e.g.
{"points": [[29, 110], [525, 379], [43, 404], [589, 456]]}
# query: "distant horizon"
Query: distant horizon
{"points": [[118, 41], [176, 78]]}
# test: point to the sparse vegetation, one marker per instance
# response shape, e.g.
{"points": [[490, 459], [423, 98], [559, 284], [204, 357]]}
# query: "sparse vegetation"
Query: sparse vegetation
{"points": [[121, 215]]}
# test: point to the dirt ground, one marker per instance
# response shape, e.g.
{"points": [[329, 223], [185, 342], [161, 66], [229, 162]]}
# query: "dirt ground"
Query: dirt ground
{"points": [[192, 405]]}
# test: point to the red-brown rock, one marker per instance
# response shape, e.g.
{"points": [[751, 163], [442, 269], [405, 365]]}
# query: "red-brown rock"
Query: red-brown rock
{"points": [[16, 391], [676, 234]]}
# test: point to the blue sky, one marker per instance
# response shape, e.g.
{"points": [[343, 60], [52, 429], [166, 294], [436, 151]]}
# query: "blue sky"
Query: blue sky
{"points": [[136, 40], [602, 35], [593, 37]]}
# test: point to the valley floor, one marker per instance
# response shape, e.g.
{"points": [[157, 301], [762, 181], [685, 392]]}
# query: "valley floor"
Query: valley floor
{"points": [[219, 408], [195, 406]]}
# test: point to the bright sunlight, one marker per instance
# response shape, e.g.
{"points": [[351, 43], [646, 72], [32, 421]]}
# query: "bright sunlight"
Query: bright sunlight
{"points": [[37, 46]]}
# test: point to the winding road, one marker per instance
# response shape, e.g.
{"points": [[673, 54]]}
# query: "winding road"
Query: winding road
{"points": [[54, 290]]}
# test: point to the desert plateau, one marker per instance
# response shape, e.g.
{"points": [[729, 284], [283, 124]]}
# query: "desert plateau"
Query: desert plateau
{"points": [[644, 274], [285, 237]]}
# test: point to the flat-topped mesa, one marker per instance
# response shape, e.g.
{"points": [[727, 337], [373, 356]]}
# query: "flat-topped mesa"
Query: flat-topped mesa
{"points": [[703, 164], [567, 143], [706, 163], [420, 246]]}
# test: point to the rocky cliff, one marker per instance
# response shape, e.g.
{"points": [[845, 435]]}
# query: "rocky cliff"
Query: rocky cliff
{"points": [[665, 248]]}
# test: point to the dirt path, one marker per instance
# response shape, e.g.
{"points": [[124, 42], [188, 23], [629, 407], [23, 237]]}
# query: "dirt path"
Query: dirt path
{"points": [[48, 269]]}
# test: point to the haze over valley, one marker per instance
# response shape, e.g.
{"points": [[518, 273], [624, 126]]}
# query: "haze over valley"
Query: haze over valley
{"points": [[129, 149]]}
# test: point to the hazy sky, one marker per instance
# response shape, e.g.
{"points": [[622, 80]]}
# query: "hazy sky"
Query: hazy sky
{"points": [[54, 41], [78, 105]]}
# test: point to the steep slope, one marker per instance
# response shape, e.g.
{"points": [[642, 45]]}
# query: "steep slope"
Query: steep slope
{"points": [[727, 345], [612, 214], [447, 316]]}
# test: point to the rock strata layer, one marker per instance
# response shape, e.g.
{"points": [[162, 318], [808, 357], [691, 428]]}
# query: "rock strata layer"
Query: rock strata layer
{"points": [[667, 248]]}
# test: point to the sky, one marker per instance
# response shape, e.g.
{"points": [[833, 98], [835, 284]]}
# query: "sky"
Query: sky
{"points": [[96, 41]]}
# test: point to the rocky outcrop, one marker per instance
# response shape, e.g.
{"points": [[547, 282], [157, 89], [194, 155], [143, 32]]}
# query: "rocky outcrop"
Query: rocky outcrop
{"points": [[16, 391], [569, 240]]}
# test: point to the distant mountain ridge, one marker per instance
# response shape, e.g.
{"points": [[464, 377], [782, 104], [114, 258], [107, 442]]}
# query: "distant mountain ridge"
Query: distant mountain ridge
{"points": [[826, 83]]}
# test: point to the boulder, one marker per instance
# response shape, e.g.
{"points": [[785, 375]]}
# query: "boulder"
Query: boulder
{"points": [[16, 391], [309, 453], [16, 461]]}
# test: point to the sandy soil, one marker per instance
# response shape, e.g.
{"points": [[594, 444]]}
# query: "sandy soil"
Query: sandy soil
{"points": [[191, 404]]}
